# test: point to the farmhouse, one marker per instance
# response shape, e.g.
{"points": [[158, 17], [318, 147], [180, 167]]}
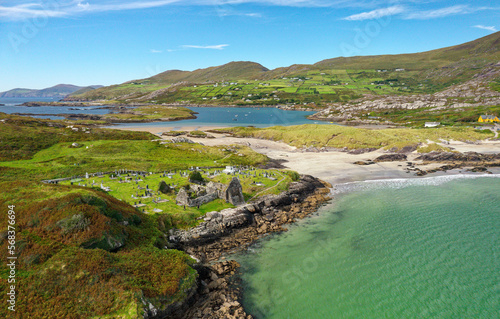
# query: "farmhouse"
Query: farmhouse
{"points": [[488, 118]]}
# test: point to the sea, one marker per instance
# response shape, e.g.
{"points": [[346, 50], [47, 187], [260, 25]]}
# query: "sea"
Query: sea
{"points": [[404, 248], [206, 116], [14, 105]]}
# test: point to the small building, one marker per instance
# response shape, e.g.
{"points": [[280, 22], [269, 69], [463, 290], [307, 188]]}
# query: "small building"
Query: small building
{"points": [[432, 124], [488, 119], [229, 170]]}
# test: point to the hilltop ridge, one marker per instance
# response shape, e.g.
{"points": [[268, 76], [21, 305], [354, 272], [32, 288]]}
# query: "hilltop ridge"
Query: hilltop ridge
{"points": [[56, 91], [331, 80]]}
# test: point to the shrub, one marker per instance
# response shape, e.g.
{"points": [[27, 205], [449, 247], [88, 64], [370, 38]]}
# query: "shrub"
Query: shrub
{"points": [[293, 175], [73, 224], [195, 177]]}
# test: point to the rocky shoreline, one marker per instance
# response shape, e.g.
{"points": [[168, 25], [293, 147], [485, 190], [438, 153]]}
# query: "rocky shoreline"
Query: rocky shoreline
{"points": [[219, 291], [475, 162]]}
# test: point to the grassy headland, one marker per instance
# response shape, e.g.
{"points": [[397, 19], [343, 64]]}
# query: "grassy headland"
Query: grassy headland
{"points": [[150, 113], [74, 241]]}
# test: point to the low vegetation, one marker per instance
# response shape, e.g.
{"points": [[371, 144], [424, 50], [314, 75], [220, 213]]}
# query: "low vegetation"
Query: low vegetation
{"points": [[356, 138], [151, 113], [22, 137], [129, 188], [433, 147], [74, 241]]}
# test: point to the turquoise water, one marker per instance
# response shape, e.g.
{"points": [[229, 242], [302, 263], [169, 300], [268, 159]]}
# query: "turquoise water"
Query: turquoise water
{"points": [[421, 248]]}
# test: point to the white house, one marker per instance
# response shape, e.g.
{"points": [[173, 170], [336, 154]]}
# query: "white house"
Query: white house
{"points": [[432, 124], [229, 170]]}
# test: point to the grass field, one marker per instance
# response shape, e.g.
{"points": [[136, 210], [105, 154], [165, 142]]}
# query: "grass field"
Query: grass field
{"points": [[315, 86], [357, 138], [133, 191], [330, 80], [312, 86]]}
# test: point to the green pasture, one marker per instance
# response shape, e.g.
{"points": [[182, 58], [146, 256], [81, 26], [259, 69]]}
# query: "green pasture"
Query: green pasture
{"points": [[299, 88], [131, 188]]}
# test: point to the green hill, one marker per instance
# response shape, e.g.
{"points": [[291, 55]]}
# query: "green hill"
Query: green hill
{"points": [[330, 80], [226, 72], [479, 52]]}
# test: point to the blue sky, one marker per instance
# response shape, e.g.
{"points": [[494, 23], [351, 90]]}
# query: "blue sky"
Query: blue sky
{"points": [[86, 42]]}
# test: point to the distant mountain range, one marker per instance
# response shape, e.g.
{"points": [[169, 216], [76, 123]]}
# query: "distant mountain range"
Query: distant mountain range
{"points": [[58, 91]]}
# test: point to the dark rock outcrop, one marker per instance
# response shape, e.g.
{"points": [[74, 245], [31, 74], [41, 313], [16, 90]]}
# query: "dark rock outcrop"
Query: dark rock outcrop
{"points": [[470, 157], [399, 157], [364, 163]]}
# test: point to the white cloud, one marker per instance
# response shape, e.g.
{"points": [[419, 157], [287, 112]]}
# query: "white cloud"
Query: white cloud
{"points": [[211, 47], [440, 13], [63, 8], [26, 9], [491, 28], [31, 10], [83, 6], [155, 51], [253, 15], [226, 13], [375, 14]]}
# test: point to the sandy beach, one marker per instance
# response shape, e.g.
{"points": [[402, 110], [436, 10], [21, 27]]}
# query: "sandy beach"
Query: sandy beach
{"points": [[334, 167]]}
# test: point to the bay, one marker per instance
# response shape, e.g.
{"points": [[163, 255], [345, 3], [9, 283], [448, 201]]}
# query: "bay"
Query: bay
{"points": [[237, 116], [416, 248]]}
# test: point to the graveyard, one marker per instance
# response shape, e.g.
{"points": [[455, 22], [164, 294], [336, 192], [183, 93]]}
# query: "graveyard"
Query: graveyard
{"points": [[142, 189]]}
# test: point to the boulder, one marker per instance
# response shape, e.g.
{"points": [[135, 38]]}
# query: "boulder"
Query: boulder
{"points": [[234, 193], [218, 188], [164, 188], [391, 158]]}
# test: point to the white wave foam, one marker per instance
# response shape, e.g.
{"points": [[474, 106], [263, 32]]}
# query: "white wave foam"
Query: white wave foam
{"points": [[399, 183]]}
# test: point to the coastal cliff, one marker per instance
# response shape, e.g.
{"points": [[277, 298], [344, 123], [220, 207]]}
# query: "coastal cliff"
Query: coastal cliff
{"points": [[235, 229]]}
